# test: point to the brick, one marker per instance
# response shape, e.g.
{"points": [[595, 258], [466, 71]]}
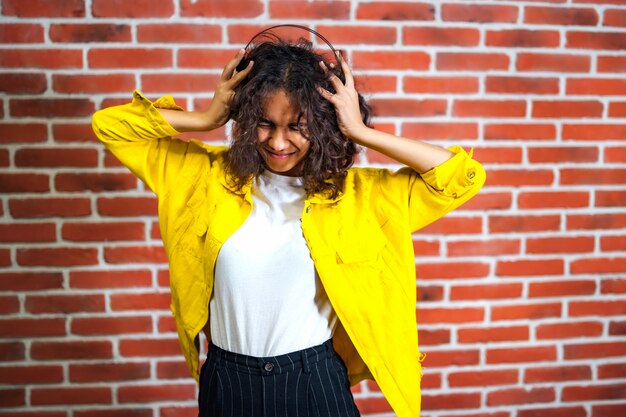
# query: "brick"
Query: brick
{"points": [[429, 293], [428, 337], [434, 270], [561, 288], [613, 286], [596, 40], [526, 311], [596, 86], [30, 281], [172, 370], [23, 132], [110, 279], [370, 405], [520, 396], [615, 154], [359, 35], [137, 8], [133, 254], [27, 375], [597, 308], [24, 183], [116, 412], [127, 206], [493, 247], [92, 32], [24, 327], [445, 131], [51, 107], [521, 85], [498, 414], [553, 62], [594, 392], [447, 358], [166, 324], [4, 161], [390, 60], [610, 198], [493, 334], [408, 107], [73, 132], [9, 305], [64, 303], [438, 84], [150, 301], [514, 131], [594, 131], [471, 61], [126, 58], [457, 225], [438, 36], [23, 83], [81, 83], [111, 325], [379, 10], [568, 330], [521, 354], [614, 17], [177, 83], [185, 33], [151, 393], [553, 412], [557, 374], [11, 351], [23, 232], [302, 9], [561, 16], [57, 256], [243, 33], [519, 177], [70, 396], [449, 315], [582, 244], [498, 155], [95, 182], [49, 207], [567, 109], [103, 231], [56, 157], [611, 64], [552, 199], [375, 83], [479, 378], [488, 201], [217, 8], [470, 400], [596, 221], [522, 38], [13, 33], [34, 414], [611, 370], [149, 347], [523, 224], [486, 291], [608, 410], [44, 58], [109, 372], [5, 257], [12, 397], [75, 350], [593, 176], [43, 8], [477, 13], [488, 108], [562, 154]]}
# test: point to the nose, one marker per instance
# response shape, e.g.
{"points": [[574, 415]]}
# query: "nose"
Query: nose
{"points": [[278, 139]]}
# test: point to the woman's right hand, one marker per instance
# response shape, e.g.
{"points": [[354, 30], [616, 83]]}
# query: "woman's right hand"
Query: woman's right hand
{"points": [[219, 111]]}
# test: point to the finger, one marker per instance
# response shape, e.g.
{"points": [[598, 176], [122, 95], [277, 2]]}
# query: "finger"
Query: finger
{"points": [[229, 69], [334, 80], [239, 76], [346, 71], [326, 94]]}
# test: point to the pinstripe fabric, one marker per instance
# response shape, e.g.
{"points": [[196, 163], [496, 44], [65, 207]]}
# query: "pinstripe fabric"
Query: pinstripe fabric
{"points": [[308, 383]]}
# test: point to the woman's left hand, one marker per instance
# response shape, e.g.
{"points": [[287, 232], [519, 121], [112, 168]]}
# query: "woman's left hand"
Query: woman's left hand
{"points": [[345, 100]]}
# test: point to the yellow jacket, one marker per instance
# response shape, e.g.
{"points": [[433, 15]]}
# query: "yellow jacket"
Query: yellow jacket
{"points": [[360, 241]]}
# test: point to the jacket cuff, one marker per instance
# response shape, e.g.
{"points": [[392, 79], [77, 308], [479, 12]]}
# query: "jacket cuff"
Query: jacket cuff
{"points": [[157, 121], [456, 175]]}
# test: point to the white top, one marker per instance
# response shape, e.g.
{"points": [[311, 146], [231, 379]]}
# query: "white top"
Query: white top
{"points": [[268, 299]]}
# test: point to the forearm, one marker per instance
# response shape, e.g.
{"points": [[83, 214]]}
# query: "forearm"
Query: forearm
{"points": [[420, 156], [187, 121]]}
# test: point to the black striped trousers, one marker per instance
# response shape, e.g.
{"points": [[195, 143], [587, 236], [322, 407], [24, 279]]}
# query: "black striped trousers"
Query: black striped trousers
{"points": [[309, 383]]}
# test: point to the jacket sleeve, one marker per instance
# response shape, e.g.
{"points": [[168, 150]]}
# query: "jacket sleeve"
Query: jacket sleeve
{"points": [[427, 197], [139, 136]]}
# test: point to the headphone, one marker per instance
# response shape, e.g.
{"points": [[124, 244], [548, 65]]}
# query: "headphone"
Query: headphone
{"points": [[244, 62]]}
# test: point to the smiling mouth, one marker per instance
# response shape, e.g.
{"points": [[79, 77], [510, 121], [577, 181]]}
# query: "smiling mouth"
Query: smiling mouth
{"points": [[279, 155]]}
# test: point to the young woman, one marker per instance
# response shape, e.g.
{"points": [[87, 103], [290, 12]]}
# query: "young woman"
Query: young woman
{"points": [[299, 268]]}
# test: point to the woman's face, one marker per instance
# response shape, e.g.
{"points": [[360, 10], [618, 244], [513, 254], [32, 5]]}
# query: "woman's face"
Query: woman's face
{"points": [[280, 133]]}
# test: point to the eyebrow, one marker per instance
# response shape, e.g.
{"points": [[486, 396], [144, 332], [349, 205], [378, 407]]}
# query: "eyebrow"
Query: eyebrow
{"points": [[300, 121]]}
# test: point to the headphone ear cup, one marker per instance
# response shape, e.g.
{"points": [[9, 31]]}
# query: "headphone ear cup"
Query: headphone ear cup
{"points": [[242, 65]]}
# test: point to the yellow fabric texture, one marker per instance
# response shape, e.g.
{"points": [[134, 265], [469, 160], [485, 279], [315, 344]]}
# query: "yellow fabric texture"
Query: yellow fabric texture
{"points": [[360, 241]]}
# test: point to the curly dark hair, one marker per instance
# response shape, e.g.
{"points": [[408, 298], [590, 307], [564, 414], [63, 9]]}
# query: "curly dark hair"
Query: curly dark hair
{"points": [[294, 68]]}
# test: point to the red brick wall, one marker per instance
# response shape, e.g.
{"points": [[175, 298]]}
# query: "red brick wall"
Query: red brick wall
{"points": [[522, 292]]}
